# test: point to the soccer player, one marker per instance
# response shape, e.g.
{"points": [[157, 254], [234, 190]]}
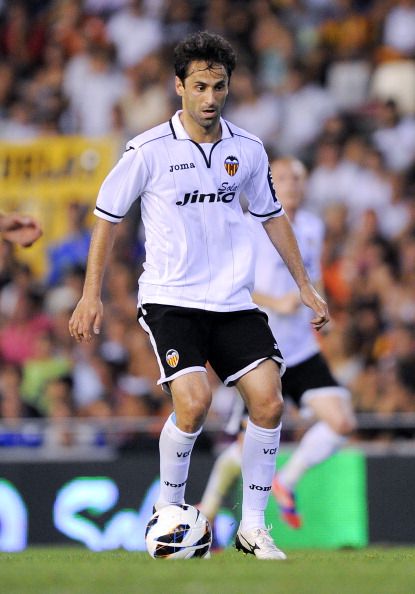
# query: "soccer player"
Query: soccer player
{"points": [[195, 292], [20, 229], [307, 379]]}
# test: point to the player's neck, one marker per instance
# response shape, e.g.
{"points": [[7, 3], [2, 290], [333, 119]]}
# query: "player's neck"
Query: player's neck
{"points": [[198, 133]]}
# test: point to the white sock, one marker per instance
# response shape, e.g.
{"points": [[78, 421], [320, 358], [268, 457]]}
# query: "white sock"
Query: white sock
{"points": [[175, 450], [318, 443], [258, 467], [226, 469]]}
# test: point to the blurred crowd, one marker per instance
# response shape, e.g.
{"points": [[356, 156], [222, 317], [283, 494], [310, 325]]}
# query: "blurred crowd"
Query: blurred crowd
{"points": [[329, 81]]}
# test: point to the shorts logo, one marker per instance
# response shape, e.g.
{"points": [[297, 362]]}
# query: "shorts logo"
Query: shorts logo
{"points": [[231, 165], [172, 358]]}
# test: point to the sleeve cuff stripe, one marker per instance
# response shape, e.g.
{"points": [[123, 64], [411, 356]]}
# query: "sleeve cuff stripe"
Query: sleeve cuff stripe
{"points": [[109, 213], [268, 214]]}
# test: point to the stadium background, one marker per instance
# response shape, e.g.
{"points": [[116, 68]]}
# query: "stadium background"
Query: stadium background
{"points": [[330, 81]]}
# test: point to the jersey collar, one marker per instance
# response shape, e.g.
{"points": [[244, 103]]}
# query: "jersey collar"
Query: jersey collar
{"points": [[179, 133]]}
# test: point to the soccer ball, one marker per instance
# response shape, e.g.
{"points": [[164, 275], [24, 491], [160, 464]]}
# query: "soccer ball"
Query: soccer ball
{"points": [[178, 532]]}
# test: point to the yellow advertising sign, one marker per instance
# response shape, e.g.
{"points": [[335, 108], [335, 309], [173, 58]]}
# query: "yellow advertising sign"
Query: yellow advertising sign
{"points": [[43, 176]]}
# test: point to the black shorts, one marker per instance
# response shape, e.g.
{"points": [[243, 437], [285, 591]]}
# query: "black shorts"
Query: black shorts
{"points": [[312, 374], [185, 339]]}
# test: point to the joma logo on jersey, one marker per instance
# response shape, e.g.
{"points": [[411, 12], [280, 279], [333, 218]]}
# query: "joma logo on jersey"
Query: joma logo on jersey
{"points": [[180, 166], [226, 193], [231, 165]]}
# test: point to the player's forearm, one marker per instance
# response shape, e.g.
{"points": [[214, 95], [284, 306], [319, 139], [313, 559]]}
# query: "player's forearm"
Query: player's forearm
{"points": [[102, 242], [284, 305], [281, 234]]}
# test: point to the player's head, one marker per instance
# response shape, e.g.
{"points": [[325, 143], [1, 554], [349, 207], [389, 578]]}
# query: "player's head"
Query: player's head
{"points": [[289, 176], [206, 47], [203, 64]]}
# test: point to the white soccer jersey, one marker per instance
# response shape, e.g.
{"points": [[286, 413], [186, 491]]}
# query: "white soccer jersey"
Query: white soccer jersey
{"points": [[293, 332], [198, 247]]}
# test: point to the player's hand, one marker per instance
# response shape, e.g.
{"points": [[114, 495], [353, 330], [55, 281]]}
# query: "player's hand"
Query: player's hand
{"points": [[21, 229], [86, 319], [313, 299]]}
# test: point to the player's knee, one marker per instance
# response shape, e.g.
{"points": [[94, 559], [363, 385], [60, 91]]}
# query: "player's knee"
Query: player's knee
{"points": [[192, 417], [344, 425], [269, 413]]}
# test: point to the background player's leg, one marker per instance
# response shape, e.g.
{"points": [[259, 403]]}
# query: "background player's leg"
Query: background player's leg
{"points": [[322, 440], [225, 471]]}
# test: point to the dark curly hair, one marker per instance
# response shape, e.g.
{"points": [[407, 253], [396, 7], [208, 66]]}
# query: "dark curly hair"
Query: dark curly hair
{"points": [[203, 46]]}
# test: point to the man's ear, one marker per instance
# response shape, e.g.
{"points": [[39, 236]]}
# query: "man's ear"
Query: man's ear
{"points": [[179, 86]]}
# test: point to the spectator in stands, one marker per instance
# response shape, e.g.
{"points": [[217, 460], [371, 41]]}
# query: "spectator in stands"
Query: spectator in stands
{"points": [[134, 33], [11, 405], [394, 136], [72, 249], [43, 366], [253, 109], [145, 103], [399, 27], [92, 103], [20, 330], [306, 105]]}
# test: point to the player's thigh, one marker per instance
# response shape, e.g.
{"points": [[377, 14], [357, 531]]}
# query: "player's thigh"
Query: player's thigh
{"points": [[323, 396], [192, 397]]}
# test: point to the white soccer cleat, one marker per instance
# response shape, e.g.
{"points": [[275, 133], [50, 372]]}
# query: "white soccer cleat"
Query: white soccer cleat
{"points": [[258, 542]]}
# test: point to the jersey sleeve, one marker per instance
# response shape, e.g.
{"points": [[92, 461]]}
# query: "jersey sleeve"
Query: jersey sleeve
{"points": [[260, 191], [122, 186]]}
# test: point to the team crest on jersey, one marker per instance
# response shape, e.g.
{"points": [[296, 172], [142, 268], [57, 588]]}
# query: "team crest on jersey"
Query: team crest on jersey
{"points": [[231, 165], [172, 358]]}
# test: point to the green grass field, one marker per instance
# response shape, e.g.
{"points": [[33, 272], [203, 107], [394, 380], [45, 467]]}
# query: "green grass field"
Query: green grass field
{"points": [[77, 571]]}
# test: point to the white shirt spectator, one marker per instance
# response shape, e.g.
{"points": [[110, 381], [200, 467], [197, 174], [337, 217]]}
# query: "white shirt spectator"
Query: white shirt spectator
{"points": [[99, 6], [330, 185], [302, 117], [134, 36], [397, 144], [348, 82], [260, 117], [93, 101], [399, 29], [370, 192]]}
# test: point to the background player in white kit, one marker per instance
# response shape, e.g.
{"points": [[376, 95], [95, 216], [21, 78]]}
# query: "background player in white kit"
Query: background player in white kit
{"points": [[307, 379], [195, 292]]}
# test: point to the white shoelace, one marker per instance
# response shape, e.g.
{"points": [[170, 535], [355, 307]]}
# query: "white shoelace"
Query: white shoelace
{"points": [[265, 539]]}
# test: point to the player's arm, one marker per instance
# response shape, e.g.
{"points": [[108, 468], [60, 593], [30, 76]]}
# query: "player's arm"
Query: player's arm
{"points": [[21, 229], [282, 236], [89, 311]]}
